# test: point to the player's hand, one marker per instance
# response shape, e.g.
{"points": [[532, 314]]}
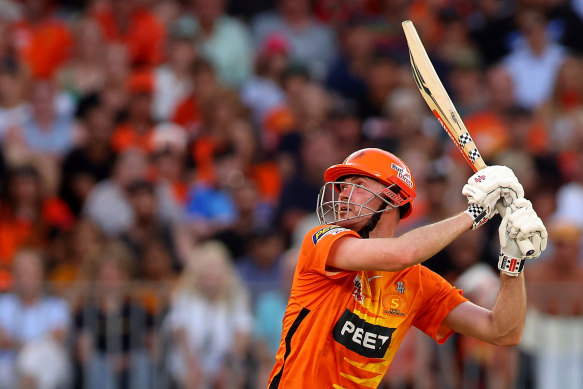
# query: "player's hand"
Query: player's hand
{"points": [[523, 223], [486, 187]]}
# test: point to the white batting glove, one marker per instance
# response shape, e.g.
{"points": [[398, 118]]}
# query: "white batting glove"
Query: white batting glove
{"points": [[523, 223], [486, 187], [511, 260]]}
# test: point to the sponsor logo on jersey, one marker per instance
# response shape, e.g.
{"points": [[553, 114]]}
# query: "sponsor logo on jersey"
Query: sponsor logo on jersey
{"points": [[366, 339], [328, 230], [403, 174], [394, 304], [357, 290]]}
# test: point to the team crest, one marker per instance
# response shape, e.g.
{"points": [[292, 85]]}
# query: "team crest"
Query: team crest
{"points": [[401, 287]]}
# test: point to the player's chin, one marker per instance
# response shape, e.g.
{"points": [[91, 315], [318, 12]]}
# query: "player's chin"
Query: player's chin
{"points": [[353, 223]]}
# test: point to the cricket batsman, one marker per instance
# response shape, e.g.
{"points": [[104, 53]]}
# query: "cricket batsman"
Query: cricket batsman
{"points": [[357, 289]]}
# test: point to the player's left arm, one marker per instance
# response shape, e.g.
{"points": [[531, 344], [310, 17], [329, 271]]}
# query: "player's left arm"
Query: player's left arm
{"points": [[502, 325]]}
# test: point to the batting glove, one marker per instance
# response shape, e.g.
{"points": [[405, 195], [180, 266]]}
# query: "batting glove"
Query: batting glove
{"points": [[486, 187], [523, 223]]}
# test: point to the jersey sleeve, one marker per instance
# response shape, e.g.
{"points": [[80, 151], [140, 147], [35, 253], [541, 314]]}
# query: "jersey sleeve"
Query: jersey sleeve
{"points": [[316, 247], [440, 297]]}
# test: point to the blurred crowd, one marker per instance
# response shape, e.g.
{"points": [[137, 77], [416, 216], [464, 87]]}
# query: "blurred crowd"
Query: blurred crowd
{"points": [[160, 162]]}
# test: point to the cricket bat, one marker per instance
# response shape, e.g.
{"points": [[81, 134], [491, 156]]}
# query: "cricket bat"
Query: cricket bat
{"points": [[438, 100]]}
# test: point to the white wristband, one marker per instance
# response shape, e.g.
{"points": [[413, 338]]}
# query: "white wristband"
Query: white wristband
{"points": [[510, 265]]}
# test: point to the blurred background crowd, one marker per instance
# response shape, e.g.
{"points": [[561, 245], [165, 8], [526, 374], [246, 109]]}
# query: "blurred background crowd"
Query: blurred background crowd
{"points": [[160, 162]]}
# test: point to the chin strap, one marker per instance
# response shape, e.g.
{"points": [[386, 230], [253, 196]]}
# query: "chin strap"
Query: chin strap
{"points": [[372, 222]]}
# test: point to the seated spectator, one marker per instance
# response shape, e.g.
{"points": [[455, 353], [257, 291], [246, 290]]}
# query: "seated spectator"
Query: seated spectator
{"points": [[44, 40], [536, 57], [210, 322], [84, 72], [261, 268], [555, 296], [135, 26], [14, 109], [311, 42], [263, 93], [92, 160], [158, 279], [108, 204], [114, 333], [252, 214], [173, 79], [147, 226], [48, 129], [28, 217], [188, 112], [136, 130], [28, 316], [221, 39], [209, 207]]}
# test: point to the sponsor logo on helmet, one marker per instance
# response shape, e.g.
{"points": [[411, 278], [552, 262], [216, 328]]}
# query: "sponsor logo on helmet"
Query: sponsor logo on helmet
{"points": [[403, 174], [328, 230]]}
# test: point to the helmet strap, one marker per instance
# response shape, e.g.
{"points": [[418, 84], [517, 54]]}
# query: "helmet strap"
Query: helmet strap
{"points": [[365, 231]]}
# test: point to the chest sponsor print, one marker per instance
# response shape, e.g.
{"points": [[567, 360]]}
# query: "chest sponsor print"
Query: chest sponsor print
{"points": [[366, 339]]}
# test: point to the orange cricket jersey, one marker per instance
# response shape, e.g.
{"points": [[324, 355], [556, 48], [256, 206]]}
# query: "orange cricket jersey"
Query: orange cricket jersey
{"points": [[342, 331]]}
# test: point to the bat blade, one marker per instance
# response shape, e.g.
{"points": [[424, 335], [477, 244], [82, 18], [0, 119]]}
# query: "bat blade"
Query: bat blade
{"points": [[442, 107]]}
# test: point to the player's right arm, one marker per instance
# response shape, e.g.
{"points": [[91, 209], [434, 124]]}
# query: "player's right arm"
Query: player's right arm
{"points": [[394, 254]]}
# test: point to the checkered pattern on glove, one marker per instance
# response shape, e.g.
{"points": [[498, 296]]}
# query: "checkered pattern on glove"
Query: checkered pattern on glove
{"points": [[477, 213]]}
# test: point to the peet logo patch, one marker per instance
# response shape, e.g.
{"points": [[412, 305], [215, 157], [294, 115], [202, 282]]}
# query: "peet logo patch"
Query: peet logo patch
{"points": [[328, 230], [366, 339]]}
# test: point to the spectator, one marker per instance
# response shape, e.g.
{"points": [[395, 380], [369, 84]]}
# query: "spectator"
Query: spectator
{"points": [[221, 39], [48, 129], [552, 355], [28, 217], [188, 112], [28, 316], [269, 311], [210, 208], [92, 160], [108, 205], [173, 80], [137, 128], [84, 72], [261, 268], [262, 93], [533, 58], [42, 40], [347, 74], [14, 109], [210, 322], [147, 227], [299, 191], [311, 43], [135, 26], [114, 334], [251, 215]]}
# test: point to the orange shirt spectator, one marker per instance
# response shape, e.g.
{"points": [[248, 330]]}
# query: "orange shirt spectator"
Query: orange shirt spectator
{"points": [[43, 46], [143, 33]]}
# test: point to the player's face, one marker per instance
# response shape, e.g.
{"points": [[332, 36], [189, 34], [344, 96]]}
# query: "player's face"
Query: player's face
{"points": [[356, 200]]}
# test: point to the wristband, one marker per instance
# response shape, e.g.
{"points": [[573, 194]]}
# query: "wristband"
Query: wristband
{"points": [[477, 213], [510, 265]]}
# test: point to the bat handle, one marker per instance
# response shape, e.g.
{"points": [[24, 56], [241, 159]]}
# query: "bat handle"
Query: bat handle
{"points": [[525, 245]]}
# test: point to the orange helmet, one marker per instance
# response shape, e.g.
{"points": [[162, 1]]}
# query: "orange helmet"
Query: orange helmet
{"points": [[380, 165]]}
